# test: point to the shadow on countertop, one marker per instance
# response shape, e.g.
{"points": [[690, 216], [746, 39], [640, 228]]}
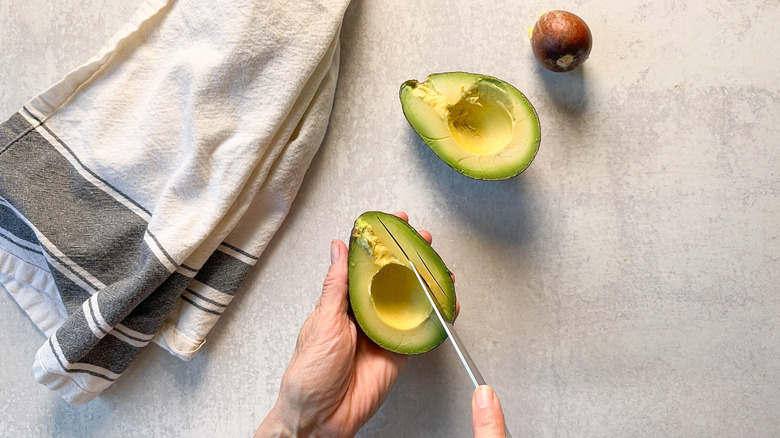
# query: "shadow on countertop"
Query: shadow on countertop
{"points": [[499, 210], [567, 91]]}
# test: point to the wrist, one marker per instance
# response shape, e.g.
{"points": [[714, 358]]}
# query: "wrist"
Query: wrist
{"points": [[275, 425], [282, 421]]}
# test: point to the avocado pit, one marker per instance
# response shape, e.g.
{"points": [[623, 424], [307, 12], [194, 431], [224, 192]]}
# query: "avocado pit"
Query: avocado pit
{"points": [[561, 41]]}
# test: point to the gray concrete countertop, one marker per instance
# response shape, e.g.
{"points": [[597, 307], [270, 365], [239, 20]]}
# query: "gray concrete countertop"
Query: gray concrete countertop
{"points": [[626, 285]]}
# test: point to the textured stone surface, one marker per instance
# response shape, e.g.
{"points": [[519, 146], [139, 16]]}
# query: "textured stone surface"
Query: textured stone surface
{"points": [[627, 284]]}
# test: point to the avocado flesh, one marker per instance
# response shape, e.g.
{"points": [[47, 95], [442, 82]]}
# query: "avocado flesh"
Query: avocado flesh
{"points": [[479, 125], [387, 301]]}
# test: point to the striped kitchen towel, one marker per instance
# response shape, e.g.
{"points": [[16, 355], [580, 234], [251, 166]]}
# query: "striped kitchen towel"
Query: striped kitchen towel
{"points": [[137, 192]]}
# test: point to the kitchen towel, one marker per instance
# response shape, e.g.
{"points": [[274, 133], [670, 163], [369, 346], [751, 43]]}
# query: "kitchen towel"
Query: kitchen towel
{"points": [[137, 192]]}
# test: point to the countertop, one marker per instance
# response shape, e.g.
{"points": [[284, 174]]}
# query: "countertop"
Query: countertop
{"points": [[626, 284]]}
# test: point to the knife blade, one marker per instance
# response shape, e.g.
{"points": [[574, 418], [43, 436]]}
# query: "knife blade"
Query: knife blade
{"points": [[449, 329], [460, 349]]}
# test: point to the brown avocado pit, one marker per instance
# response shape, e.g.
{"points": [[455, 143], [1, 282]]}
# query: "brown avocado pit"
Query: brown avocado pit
{"points": [[561, 41]]}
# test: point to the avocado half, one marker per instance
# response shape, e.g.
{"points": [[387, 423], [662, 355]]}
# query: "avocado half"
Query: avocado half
{"points": [[479, 125], [387, 301]]}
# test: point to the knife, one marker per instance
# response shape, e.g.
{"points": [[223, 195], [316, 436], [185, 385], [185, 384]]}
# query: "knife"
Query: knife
{"points": [[460, 349]]}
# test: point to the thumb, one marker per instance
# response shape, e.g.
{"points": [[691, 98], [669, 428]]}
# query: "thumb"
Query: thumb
{"points": [[487, 418], [334, 288]]}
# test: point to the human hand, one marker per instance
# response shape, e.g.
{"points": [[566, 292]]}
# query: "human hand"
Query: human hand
{"points": [[487, 418], [337, 378]]}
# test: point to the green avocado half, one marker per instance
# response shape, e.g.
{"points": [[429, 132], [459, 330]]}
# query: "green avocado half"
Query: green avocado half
{"points": [[479, 125], [388, 302]]}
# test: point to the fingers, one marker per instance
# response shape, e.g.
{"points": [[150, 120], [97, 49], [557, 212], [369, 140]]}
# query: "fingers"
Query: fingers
{"points": [[402, 215], [487, 418], [334, 288]]}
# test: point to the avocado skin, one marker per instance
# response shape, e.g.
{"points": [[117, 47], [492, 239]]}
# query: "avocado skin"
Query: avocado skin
{"points": [[412, 83], [354, 290]]}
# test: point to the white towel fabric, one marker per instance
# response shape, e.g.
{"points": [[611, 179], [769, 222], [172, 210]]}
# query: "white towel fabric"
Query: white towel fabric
{"points": [[136, 193]]}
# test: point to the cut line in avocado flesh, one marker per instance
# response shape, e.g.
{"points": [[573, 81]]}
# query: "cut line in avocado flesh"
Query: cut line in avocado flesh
{"points": [[480, 126], [386, 299]]}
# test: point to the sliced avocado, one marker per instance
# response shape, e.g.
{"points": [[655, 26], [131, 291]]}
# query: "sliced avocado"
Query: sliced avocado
{"points": [[479, 125], [388, 302]]}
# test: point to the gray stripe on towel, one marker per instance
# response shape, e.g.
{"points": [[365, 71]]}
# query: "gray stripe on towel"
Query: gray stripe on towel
{"points": [[86, 224], [140, 301], [121, 297], [11, 129], [75, 337], [16, 226], [149, 316], [112, 354], [72, 295], [100, 235], [223, 272]]}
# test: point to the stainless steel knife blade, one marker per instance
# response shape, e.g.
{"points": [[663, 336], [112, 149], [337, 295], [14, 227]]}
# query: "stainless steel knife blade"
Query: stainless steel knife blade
{"points": [[452, 334]]}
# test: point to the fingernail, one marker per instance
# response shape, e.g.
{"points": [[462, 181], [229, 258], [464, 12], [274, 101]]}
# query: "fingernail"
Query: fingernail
{"points": [[334, 252], [484, 396]]}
